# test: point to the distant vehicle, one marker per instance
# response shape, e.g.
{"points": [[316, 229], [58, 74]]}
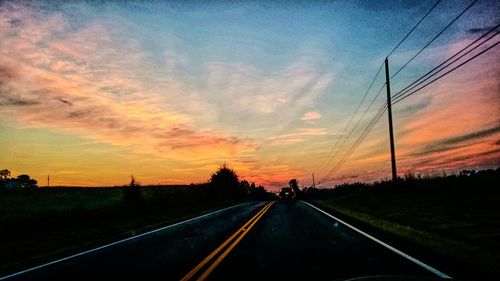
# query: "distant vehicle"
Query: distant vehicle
{"points": [[287, 194]]}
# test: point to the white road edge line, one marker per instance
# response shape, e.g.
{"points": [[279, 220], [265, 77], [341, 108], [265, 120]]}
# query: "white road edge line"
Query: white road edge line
{"points": [[117, 242], [426, 266]]}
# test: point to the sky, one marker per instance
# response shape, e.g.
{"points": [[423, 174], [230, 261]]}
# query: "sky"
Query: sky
{"points": [[93, 92]]}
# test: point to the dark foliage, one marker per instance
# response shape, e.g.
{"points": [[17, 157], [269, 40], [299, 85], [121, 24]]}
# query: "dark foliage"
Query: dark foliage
{"points": [[22, 181], [245, 186], [132, 193], [4, 175], [260, 194], [225, 183], [466, 181], [225, 178], [294, 185]]}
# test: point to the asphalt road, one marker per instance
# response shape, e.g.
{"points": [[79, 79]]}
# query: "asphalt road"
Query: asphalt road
{"points": [[288, 241]]}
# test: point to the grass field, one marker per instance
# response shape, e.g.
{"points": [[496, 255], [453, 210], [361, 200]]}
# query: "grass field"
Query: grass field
{"points": [[41, 224], [458, 218]]}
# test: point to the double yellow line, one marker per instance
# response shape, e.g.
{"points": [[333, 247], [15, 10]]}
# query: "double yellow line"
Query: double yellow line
{"points": [[233, 241]]}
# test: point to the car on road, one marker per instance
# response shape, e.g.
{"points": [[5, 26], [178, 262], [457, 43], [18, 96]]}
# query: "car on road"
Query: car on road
{"points": [[287, 195]]}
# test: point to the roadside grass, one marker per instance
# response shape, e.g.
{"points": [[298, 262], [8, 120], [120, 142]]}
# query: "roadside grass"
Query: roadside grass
{"points": [[458, 222], [42, 224]]}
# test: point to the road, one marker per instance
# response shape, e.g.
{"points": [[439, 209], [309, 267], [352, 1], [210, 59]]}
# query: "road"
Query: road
{"points": [[263, 241]]}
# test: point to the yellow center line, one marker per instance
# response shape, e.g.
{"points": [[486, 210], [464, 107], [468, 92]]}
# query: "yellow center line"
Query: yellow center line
{"points": [[230, 248], [216, 251]]}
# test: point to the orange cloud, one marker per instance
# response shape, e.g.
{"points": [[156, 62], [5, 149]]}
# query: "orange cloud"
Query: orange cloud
{"points": [[309, 116], [453, 124], [459, 124], [80, 81]]}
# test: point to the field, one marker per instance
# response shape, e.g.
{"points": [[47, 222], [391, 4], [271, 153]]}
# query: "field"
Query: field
{"points": [[41, 224], [457, 217]]}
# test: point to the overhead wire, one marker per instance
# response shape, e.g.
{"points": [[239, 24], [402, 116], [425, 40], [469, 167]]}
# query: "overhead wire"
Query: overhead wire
{"points": [[356, 144], [413, 29], [446, 73], [330, 157], [446, 63], [434, 38], [358, 122], [379, 114], [404, 93]]}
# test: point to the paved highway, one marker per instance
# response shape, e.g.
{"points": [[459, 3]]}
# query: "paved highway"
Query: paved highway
{"points": [[252, 241]]}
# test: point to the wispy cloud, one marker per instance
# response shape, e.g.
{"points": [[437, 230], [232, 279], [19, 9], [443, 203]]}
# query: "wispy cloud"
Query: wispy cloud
{"points": [[190, 92], [298, 135], [309, 116], [81, 82], [456, 142], [96, 81], [457, 123]]}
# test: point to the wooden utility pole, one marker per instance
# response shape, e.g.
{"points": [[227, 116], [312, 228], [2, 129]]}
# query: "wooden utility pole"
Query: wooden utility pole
{"points": [[389, 113], [314, 184], [48, 181]]}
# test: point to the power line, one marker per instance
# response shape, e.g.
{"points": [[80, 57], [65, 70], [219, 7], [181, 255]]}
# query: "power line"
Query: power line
{"points": [[404, 93], [379, 114], [446, 73], [327, 175], [329, 157], [362, 116], [414, 27], [362, 137], [356, 144], [430, 73], [359, 120], [435, 37]]}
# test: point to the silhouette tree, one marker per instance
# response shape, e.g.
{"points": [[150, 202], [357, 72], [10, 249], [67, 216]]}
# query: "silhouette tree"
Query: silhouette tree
{"points": [[467, 173], [132, 192], [24, 181], [294, 185], [225, 178], [4, 174], [133, 182], [260, 193], [245, 186], [4, 177]]}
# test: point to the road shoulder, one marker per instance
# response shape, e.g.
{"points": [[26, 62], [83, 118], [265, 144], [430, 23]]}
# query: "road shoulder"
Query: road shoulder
{"points": [[450, 265]]}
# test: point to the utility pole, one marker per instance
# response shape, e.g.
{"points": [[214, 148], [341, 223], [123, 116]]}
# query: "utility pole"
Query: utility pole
{"points": [[48, 181], [389, 113], [314, 184]]}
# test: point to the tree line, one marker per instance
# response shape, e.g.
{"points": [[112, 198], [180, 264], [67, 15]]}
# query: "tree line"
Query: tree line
{"points": [[465, 180], [21, 181], [224, 182]]}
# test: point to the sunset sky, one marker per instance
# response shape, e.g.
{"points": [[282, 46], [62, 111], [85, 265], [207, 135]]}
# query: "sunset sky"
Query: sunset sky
{"points": [[92, 93]]}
